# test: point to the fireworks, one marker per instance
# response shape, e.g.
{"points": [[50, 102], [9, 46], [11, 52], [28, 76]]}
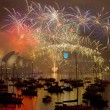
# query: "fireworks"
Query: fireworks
{"points": [[47, 17], [81, 18], [102, 20], [55, 30]]}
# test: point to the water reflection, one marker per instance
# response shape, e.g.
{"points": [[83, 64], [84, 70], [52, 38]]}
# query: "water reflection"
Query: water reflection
{"points": [[35, 103]]}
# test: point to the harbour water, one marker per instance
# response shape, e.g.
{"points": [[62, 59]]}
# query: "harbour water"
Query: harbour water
{"points": [[36, 103]]}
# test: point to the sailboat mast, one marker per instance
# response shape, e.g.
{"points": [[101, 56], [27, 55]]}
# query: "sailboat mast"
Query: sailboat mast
{"points": [[76, 74], [1, 70]]}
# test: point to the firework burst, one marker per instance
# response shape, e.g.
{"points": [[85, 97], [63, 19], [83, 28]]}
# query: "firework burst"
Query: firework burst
{"points": [[55, 29], [82, 19]]}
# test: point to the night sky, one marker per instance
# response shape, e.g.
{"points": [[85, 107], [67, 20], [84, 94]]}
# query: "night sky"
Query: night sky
{"points": [[20, 5], [94, 5]]}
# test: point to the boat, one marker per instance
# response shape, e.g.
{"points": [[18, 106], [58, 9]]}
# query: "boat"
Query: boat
{"points": [[68, 88], [29, 92], [9, 98], [47, 99], [75, 107], [55, 89]]}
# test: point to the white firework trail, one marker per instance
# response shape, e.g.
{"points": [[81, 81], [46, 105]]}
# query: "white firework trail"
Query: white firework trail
{"points": [[81, 18]]}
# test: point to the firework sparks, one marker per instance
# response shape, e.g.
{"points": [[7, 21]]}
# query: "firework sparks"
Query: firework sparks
{"points": [[81, 18], [50, 29], [102, 20]]}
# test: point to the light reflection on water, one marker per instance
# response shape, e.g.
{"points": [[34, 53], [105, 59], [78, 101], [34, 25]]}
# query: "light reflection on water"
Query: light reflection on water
{"points": [[35, 103]]}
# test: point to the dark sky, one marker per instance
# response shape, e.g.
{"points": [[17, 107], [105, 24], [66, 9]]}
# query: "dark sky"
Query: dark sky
{"points": [[20, 5], [94, 5]]}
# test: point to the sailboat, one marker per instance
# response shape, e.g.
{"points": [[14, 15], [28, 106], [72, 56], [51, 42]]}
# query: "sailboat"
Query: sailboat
{"points": [[9, 98], [64, 106]]}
